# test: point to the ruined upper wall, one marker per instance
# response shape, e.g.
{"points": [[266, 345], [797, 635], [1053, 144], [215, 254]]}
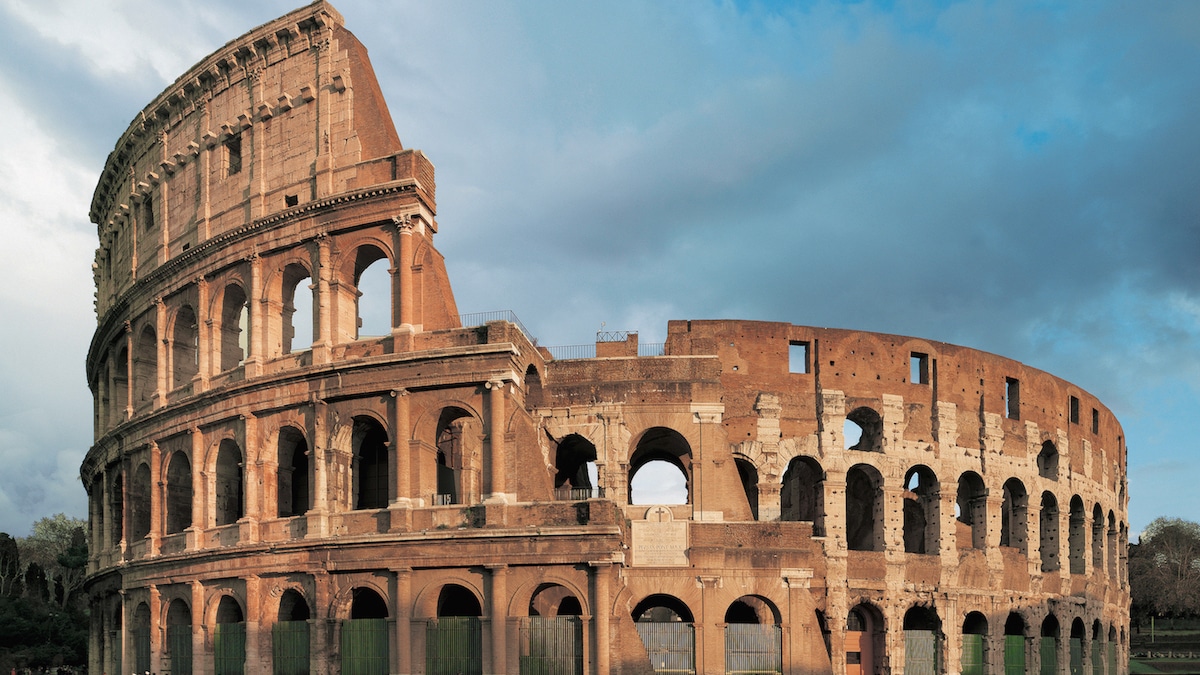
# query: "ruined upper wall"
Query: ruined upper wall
{"points": [[287, 114]]}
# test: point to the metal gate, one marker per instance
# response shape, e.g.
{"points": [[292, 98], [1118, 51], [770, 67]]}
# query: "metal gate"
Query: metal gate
{"points": [[552, 645], [753, 649], [1049, 651], [364, 647], [670, 645], [229, 649], [1112, 658], [454, 646], [1097, 658], [920, 652], [1076, 656], [289, 648], [141, 649], [179, 641], [972, 654], [1014, 655]]}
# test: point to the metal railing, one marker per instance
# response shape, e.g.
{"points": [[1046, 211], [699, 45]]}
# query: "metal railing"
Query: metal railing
{"points": [[652, 349], [482, 318], [568, 352], [443, 500], [572, 494], [614, 335]]}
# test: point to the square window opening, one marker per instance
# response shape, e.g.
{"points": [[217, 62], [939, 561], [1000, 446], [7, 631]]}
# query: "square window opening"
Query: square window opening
{"points": [[1074, 410], [291, 200], [798, 357], [1012, 398], [1095, 421], [233, 155], [918, 368]]}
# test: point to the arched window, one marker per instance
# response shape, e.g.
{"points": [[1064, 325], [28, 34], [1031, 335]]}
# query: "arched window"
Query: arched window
{"points": [[921, 532], [120, 386], [748, 475], [574, 464], [365, 635], [1014, 644], [552, 635], [292, 489], [921, 645], [753, 638], [665, 625], [533, 387], [228, 487], [145, 366], [116, 502], [235, 327], [1014, 516], [179, 493], [659, 468], [1112, 545], [863, 430], [299, 298], [373, 305], [229, 638], [1075, 536], [141, 637], [451, 439], [802, 496], [1048, 535], [1047, 461], [864, 640], [456, 635], [971, 507], [179, 637], [864, 508], [139, 502], [1097, 539], [975, 655], [370, 464], [185, 348], [290, 635], [1078, 635], [1048, 646], [1097, 648]]}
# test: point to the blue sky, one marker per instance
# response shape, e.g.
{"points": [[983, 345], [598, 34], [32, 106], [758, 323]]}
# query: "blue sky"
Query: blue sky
{"points": [[1015, 177]]}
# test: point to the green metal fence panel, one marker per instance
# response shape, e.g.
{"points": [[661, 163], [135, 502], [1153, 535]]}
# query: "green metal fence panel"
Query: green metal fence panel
{"points": [[229, 649], [1097, 658], [972, 654], [551, 645], [141, 649], [454, 646], [179, 642], [289, 648], [920, 652], [671, 646], [1014, 655], [1049, 651], [1112, 658], [753, 649], [364, 647], [1076, 656]]}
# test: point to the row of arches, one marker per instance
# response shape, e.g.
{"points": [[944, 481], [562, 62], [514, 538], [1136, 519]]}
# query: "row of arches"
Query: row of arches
{"points": [[203, 332]]}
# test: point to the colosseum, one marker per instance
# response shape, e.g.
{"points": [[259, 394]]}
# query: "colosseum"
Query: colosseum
{"points": [[307, 461]]}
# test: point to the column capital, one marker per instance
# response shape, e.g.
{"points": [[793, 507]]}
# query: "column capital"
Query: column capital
{"points": [[404, 223]]}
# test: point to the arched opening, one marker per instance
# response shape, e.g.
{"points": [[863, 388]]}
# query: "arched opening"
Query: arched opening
{"points": [[864, 508], [454, 640], [1014, 645], [974, 644], [116, 502], [1014, 516], [1078, 633], [179, 637], [660, 467], [1076, 546], [665, 625], [299, 298], [179, 493], [292, 488], [921, 495], [533, 387], [120, 387], [801, 497], [1048, 533], [863, 430], [575, 465], [141, 637], [290, 635], [1097, 648], [864, 640], [139, 502], [971, 512], [373, 281], [370, 469], [235, 327], [1111, 650], [185, 347], [1097, 539], [452, 439], [748, 475], [229, 638], [826, 634], [1047, 461], [1048, 648], [365, 635], [922, 647], [552, 635], [753, 636], [1112, 545], [228, 487], [145, 366]]}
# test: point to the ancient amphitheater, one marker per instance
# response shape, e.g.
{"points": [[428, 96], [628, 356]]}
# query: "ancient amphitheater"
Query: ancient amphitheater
{"points": [[272, 489]]}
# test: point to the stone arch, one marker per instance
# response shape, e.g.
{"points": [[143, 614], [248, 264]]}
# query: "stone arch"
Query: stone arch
{"points": [[870, 426], [233, 326], [922, 498], [228, 483], [369, 468], [458, 447], [297, 319], [178, 502], [802, 495], [1048, 542], [367, 603], [922, 640], [660, 447], [533, 387], [524, 597], [748, 476], [574, 463], [971, 504], [864, 508], [865, 644], [1097, 538], [1076, 543], [120, 385], [1112, 545], [425, 602], [139, 502], [140, 629], [551, 599], [1047, 461], [368, 269], [185, 346], [1014, 516], [456, 600], [975, 653], [753, 609], [178, 622], [293, 606], [145, 366], [660, 608], [292, 475], [117, 506]]}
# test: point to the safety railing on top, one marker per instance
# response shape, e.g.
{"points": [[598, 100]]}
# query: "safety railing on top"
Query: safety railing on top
{"points": [[481, 318], [568, 352]]}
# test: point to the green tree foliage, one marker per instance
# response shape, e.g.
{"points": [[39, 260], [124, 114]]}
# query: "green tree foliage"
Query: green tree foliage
{"points": [[59, 547], [1164, 569]]}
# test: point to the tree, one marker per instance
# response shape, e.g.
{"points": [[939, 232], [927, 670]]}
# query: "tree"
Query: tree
{"points": [[58, 545], [1164, 568], [10, 566]]}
